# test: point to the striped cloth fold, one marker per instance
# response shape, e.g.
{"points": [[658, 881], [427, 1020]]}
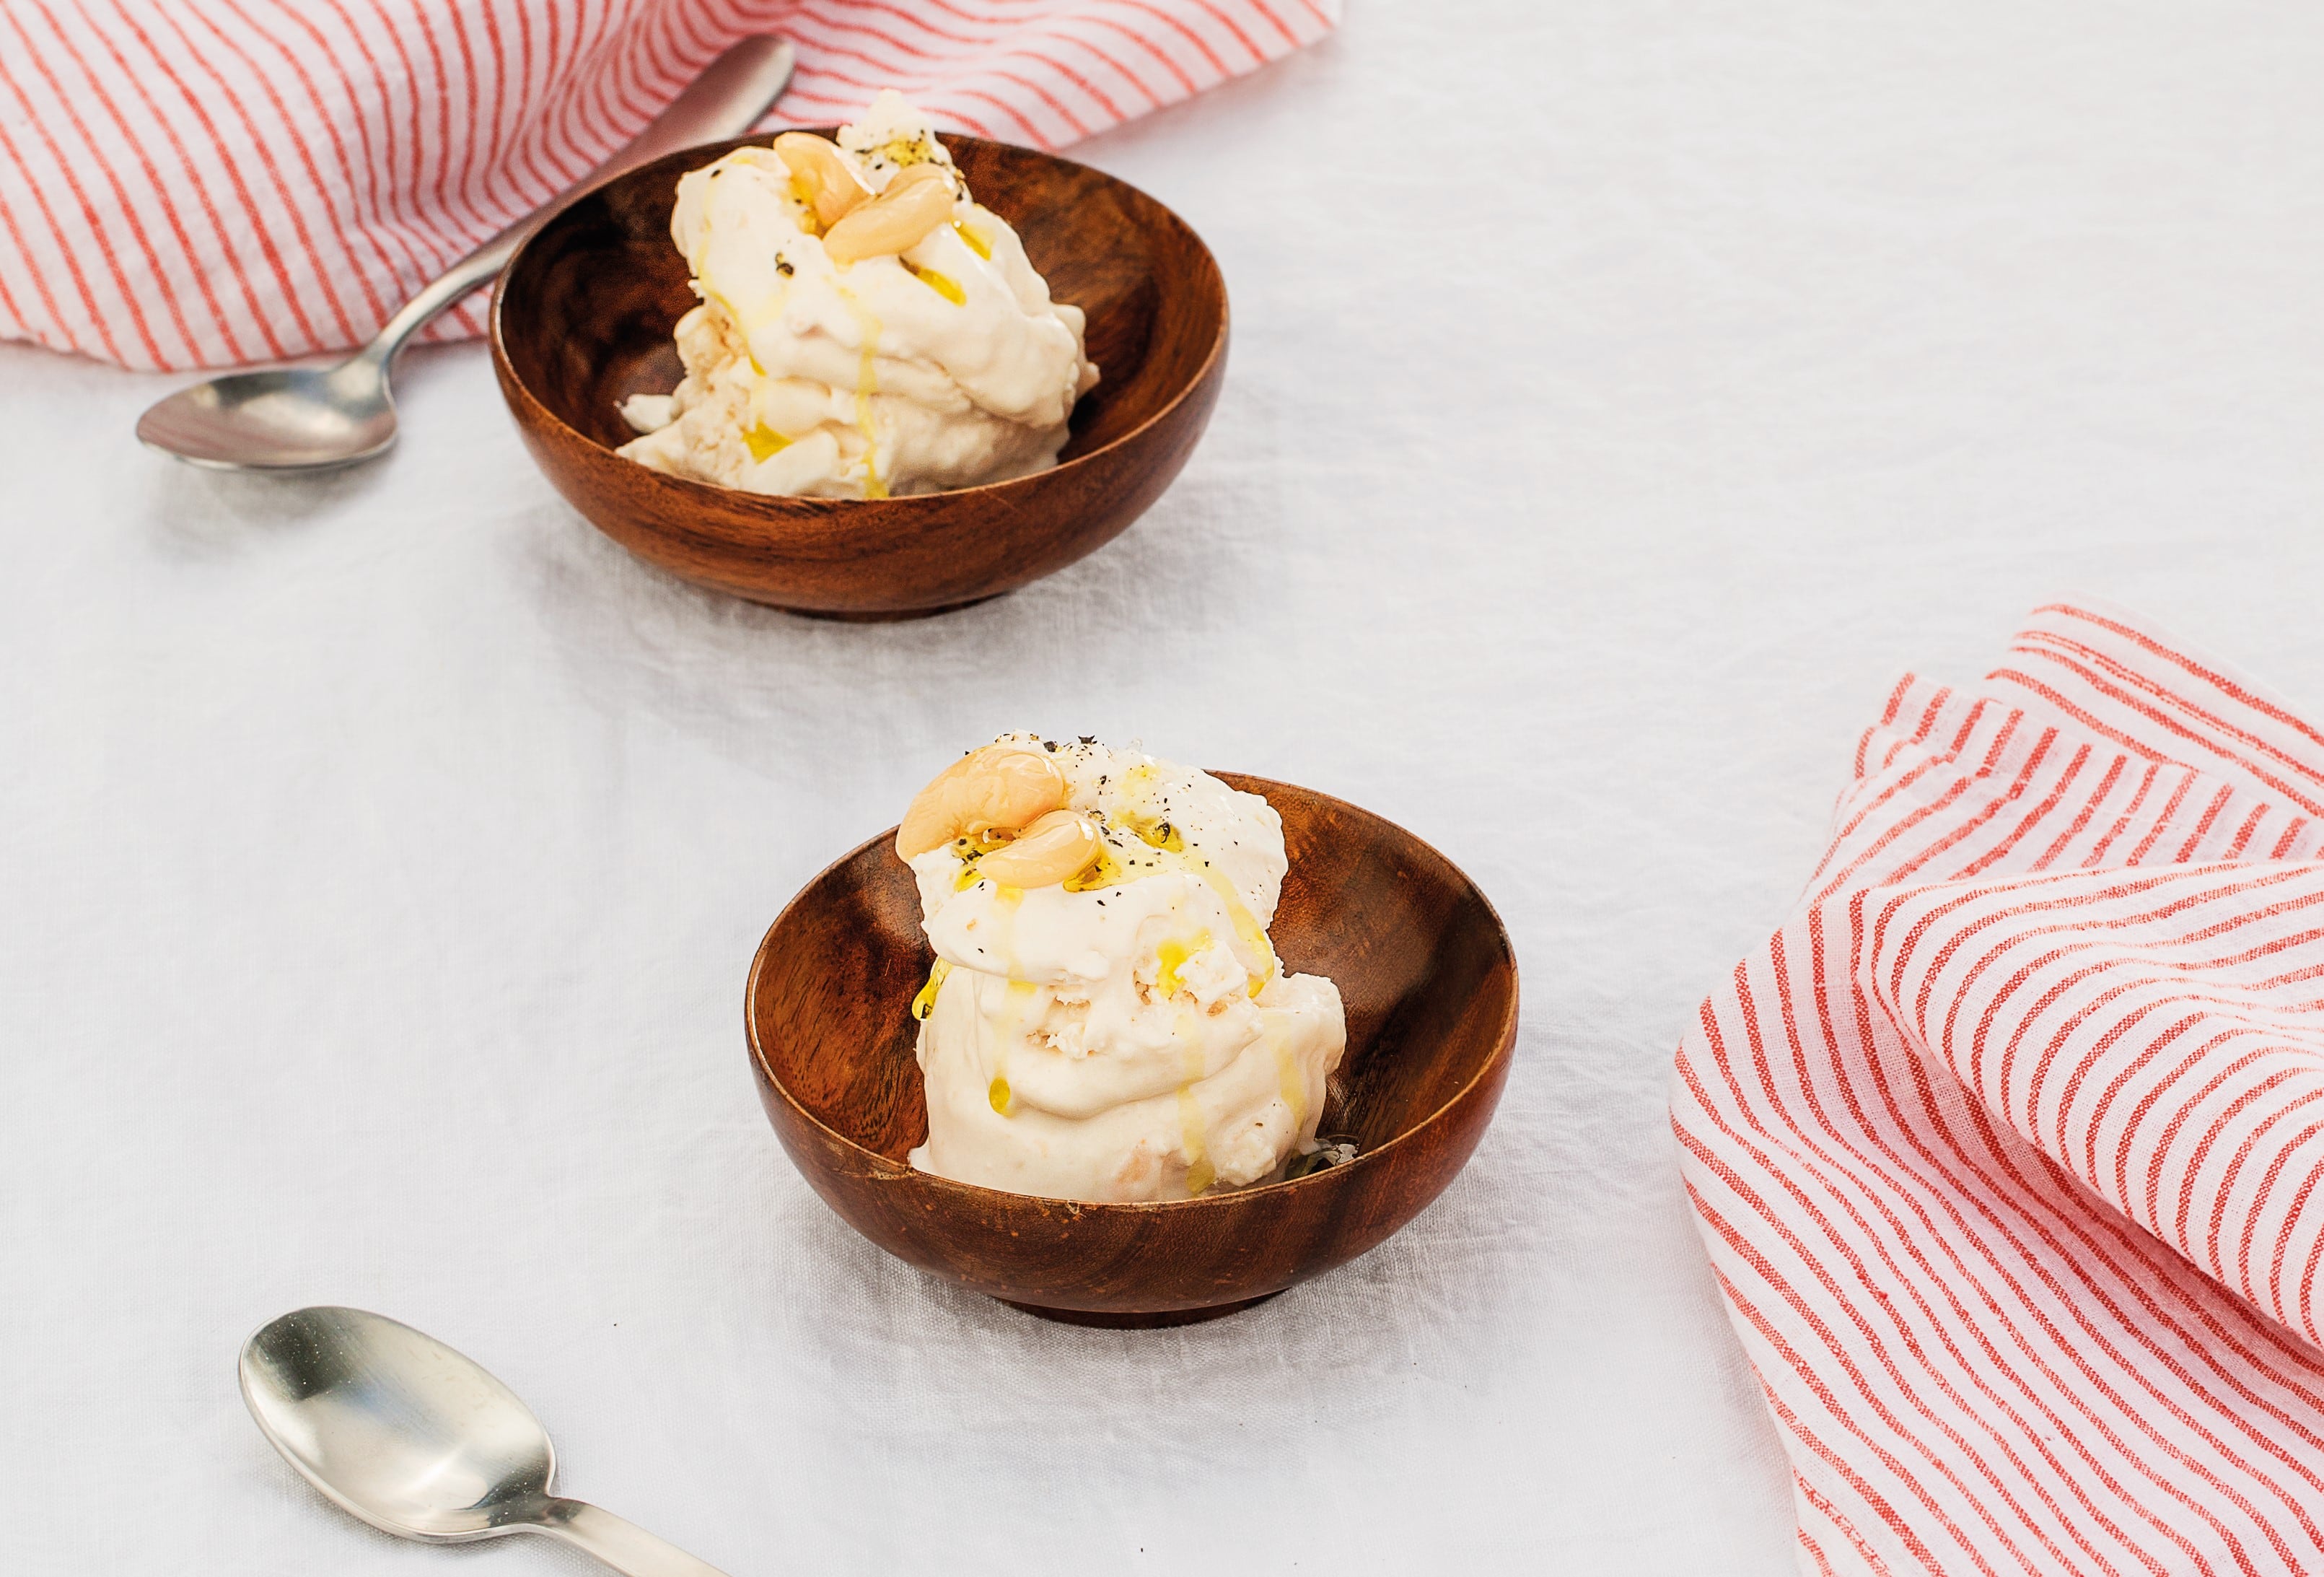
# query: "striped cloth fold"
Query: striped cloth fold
{"points": [[2006, 1146], [192, 184]]}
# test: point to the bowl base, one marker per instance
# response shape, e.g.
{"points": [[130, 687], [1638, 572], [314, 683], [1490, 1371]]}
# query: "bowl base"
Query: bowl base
{"points": [[885, 615], [1113, 1320]]}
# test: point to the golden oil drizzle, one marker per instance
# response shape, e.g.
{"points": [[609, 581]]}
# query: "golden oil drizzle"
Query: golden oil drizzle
{"points": [[1293, 1086], [1246, 924], [1137, 780], [926, 1002], [1104, 871], [900, 151], [806, 218], [1170, 958], [1161, 835], [733, 321], [944, 284], [867, 383], [1165, 837], [1009, 1020], [1006, 901], [970, 848], [1192, 1125], [763, 440], [1200, 1172], [978, 241]]}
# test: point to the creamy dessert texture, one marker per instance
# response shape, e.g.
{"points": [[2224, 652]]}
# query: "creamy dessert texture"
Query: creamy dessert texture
{"points": [[867, 328], [1107, 1019]]}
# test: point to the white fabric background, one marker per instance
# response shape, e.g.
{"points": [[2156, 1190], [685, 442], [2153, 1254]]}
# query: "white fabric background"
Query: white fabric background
{"points": [[1622, 397]]}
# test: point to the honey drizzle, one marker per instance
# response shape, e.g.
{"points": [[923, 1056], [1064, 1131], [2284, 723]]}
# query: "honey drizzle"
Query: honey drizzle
{"points": [[1007, 1023], [944, 284], [1293, 1086], [763, 440], [1193, 1126], [867, 383], [1170, 958], [926, 1002]]}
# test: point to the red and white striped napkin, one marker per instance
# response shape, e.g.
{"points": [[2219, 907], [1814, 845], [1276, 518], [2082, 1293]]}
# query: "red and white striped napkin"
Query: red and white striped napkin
{"points": [[2007, 1147], [191, 183]]}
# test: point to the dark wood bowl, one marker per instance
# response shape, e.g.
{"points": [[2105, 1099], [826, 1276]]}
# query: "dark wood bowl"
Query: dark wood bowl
{"points": [[1431, 989], [582, 321]]}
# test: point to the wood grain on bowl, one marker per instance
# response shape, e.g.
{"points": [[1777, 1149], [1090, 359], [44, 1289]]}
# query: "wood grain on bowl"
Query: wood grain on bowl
{"points": [[582, 320], [1431, 988]]}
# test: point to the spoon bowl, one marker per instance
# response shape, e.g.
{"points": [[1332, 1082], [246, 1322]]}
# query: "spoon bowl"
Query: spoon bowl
{"points": [[283, 419], [393, 1425], [418, 1441]]}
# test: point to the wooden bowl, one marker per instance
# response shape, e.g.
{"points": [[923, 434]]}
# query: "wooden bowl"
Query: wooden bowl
{"points": [[582, 321], [1431, 988]]}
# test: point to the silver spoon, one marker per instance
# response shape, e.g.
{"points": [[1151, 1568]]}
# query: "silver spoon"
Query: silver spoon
{"points": [[306, 419], [419, 1441]]}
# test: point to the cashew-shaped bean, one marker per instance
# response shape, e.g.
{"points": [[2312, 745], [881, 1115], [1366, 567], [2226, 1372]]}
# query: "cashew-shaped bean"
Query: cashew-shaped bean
{"points": [[1061, 845], [827, 181], [999, 786], [918, 201]]}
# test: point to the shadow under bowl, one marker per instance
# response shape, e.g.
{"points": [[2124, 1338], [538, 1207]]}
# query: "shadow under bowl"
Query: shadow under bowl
{"points": [[1422, 964], [582, 321]]}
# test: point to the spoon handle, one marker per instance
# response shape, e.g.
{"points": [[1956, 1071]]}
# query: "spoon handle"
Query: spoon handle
{"points": [[626, 1547], [732, 91]]}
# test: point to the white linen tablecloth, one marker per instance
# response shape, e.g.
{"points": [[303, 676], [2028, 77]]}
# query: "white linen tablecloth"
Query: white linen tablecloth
{"points": [[1621, 397]]}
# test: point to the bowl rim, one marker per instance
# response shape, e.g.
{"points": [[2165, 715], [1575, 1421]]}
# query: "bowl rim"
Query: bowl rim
{"points": [[780, 505], [1505, 1045]]}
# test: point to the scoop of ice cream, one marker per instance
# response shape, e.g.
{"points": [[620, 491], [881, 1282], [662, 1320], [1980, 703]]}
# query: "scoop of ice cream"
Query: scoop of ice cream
{"points": [[946, 365], [1127, 1034]]}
